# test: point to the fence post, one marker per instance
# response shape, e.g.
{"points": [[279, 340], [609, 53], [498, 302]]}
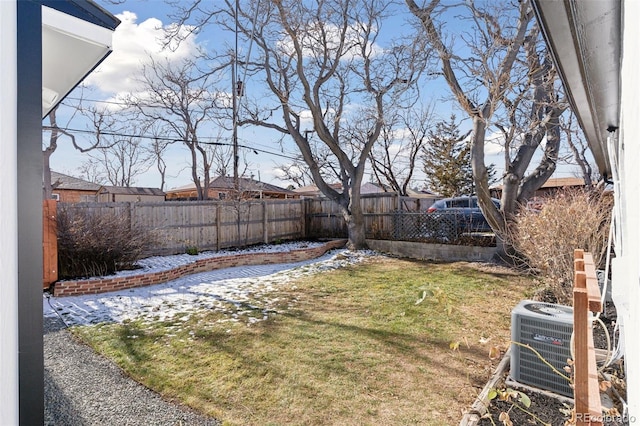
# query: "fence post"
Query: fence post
{"points": [[305, 217], [586, 391], [132, 214], [49, 243], [265, 223], [218, 226]]}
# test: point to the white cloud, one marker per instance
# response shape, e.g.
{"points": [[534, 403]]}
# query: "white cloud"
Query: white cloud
{"points": [[133, 45], [494, 144]]}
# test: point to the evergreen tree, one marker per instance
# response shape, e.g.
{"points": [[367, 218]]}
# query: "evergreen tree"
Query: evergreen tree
{"points": [[447, 160]]}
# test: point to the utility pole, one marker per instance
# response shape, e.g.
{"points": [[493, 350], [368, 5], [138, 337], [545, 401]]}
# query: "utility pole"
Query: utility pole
{"points": [[236, 185], [235, 94]]}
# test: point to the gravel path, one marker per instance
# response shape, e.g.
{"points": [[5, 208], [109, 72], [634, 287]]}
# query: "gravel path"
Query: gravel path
{"points": [[83, 388]]}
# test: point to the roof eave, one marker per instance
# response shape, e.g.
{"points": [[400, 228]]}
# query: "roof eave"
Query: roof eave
{"points": [[584, 38]]}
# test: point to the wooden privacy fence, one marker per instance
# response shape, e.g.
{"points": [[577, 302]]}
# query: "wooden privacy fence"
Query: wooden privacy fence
{"points": [[214, 225], [206, 225], [324, 218]]}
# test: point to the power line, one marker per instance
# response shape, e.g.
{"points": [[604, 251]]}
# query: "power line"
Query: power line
{"points": [[166, 139], [106, 102]]}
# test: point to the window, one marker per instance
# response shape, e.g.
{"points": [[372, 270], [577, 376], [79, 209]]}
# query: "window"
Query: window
{"points": [[460, 203], [55, 196]]}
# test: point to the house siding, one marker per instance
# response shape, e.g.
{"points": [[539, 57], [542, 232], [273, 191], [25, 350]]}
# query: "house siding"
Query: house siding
{"points": [[626, 268]]}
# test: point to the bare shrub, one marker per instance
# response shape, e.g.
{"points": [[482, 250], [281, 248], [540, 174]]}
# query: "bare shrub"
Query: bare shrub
{"points": [[573, 219], [95, 244]]}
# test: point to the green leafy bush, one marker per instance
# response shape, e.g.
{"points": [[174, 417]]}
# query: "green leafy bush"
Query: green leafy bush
{"points": [[573, 219], [92, 244]]}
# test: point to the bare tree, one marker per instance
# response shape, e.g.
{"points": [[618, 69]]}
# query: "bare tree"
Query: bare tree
{"points": [[508, 81], [119, 164], [321, 60], [48, 148], [295, 172], [183, 97], [47, 152], [157, 148], [298, 171], [124, 157], [394, 157], [579, 149]]}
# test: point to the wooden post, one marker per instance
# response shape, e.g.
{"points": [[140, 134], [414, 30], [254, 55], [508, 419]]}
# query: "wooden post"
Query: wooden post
{"points": [[581, 365], [49, 243], [265, 223], [585, 297], [305, 217], [218, 226]]}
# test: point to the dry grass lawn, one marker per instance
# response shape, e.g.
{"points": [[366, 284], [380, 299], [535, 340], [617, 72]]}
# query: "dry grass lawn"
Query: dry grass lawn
{"points": [[344, 347]]}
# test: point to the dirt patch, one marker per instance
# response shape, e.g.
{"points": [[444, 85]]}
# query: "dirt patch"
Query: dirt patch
{"points": [[544, 409]]}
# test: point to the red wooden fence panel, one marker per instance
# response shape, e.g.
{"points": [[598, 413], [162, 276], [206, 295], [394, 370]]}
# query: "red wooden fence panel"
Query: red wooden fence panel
{"points": [[49, 244]]}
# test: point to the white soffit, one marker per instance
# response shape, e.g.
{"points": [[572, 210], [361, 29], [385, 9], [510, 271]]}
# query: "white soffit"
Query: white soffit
{"points": [[585, 40], [71, 48]]}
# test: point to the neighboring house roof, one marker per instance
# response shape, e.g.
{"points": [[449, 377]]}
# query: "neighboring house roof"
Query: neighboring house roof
{"points": [[555, 183], [61, 181], [227, 183], [421, 193], [190, 187], [562, 182], [132, 190], [313, 190], [371, 188]]}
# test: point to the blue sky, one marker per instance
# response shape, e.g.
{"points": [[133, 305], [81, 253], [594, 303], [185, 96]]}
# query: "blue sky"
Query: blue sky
{"points": [[134, 40]]}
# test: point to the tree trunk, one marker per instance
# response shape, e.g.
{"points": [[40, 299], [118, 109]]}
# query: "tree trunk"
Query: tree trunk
{"points": [[47, 189], [481, 179], [354, 219]]}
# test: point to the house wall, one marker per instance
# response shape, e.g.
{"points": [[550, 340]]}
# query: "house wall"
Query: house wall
{"points": [[626, 268], [74, 195], [28, 205], [8, 218], [186, 195]]}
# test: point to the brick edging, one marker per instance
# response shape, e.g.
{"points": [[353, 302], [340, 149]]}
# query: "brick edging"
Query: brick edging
{"points": [[103, 285]]}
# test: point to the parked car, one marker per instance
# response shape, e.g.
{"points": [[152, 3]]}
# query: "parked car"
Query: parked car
{"points": [[464, 212]]}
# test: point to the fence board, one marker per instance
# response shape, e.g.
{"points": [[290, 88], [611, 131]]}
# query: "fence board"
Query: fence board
{"points": [[49, 243]]}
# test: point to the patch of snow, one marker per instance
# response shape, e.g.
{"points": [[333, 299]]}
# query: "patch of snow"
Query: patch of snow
{"points": [[232, 291], [163, 263]]}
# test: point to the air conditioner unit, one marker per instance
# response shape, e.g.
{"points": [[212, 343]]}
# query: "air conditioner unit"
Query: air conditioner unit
{"points": [[547, 328]]}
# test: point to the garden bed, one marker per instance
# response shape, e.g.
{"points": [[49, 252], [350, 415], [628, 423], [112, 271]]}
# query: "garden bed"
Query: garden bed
{"points": [[545, 408], [135, 279]]}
